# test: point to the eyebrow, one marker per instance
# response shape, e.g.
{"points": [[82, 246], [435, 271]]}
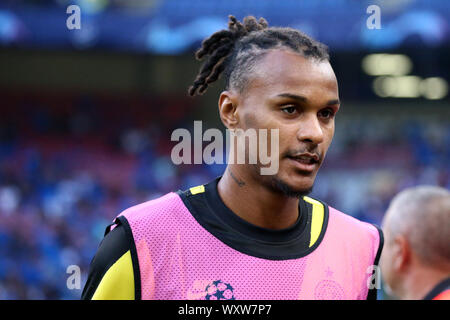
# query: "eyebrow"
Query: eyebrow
{"points": [[304, 99]]}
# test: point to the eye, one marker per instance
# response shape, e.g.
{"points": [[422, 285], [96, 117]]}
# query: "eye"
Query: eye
{"points": [[289, 109], [326, 113]]}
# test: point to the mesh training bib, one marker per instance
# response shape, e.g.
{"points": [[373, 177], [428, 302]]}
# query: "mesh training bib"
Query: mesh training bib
{"points": [[180, 259]]}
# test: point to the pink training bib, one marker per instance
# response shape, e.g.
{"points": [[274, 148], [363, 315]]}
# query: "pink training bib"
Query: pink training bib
{"points": [[180, 259]]}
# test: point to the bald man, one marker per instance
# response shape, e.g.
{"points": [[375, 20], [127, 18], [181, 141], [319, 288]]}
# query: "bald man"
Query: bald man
{"points": [[415, 263]]}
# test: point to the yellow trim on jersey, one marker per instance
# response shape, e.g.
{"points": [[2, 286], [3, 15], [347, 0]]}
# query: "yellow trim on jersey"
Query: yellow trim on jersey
{"points": [[197, 189], [317, 219], [118, 281]]}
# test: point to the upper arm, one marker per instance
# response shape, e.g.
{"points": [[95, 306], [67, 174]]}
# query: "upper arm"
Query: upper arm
{"points": [[111, 274]]}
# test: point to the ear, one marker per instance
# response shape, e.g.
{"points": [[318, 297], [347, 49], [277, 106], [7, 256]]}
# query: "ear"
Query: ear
{"points": [[228, 102], [402, 253]]}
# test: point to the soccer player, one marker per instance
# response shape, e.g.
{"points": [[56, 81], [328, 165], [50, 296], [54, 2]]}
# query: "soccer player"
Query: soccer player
{"points": [[416, 261], [246, 235]]}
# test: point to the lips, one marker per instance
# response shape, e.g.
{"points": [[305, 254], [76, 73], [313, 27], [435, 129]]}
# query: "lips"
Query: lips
{"points": [[305, 162]]}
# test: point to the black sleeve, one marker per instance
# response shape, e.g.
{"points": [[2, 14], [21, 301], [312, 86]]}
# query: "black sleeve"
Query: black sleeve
{"points": [[372, 295], [111, 248]]}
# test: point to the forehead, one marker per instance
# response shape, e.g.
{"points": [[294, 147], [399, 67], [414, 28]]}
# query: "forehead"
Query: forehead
{"points": [[282, 71]]}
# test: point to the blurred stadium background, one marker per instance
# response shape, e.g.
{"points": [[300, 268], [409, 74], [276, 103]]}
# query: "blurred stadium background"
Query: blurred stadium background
{"points": [[86, 115]]}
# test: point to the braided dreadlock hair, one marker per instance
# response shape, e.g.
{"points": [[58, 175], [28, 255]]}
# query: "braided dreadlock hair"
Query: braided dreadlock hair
{"points": [[235, 51]]}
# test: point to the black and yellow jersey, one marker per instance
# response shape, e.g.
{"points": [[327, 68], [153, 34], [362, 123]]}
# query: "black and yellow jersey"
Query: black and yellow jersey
{"points": [[111, 274], [114, 271]]}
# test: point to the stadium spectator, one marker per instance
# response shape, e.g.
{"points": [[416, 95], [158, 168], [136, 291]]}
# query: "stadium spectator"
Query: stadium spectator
{"points": [[415, 263]]}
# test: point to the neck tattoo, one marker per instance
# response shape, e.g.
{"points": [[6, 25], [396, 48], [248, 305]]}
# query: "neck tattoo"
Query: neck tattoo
{"points": [[239, 182]]}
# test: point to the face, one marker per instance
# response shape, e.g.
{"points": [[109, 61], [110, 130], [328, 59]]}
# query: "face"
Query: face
{"points": [[298, 96], [386, 262], [389, 261]]}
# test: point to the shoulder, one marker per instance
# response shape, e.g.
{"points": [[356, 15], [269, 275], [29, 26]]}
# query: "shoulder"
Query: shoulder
{"points": [[369, 236], [357, 226], [111, 267], [154, 210], [350, 228]]}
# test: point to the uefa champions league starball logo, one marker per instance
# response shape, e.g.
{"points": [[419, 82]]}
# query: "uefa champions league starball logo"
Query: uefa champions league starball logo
{"points": [[218, 290]]}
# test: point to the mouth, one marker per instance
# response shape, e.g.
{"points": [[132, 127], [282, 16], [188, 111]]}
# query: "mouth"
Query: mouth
{"points": [[306, 162]]}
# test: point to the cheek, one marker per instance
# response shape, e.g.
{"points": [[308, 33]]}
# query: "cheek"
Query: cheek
{"points": [[329, 130], [287, 138], [386, 264], [250, 120], [328, 137], [256, 120], [253, 112]]}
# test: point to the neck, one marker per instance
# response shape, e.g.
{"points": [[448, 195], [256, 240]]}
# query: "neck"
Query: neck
{"points": [[421, 281], [254, 202]]}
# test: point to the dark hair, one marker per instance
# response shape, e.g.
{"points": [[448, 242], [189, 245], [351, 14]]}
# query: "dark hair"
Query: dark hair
{"points": [[235, 51]]}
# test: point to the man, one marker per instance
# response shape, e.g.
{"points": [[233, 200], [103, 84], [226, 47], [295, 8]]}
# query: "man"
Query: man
{"points": [[246, 235], [416, 260]]}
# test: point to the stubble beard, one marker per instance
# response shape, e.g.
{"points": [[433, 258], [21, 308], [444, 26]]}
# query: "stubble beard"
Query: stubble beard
{"points": [[278, 185]]}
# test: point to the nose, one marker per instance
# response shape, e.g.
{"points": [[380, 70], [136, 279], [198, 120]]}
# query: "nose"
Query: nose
{"points": [[310, 129]]}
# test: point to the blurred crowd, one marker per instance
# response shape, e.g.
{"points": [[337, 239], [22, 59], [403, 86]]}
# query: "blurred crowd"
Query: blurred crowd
{"points": [[69, 165]]}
